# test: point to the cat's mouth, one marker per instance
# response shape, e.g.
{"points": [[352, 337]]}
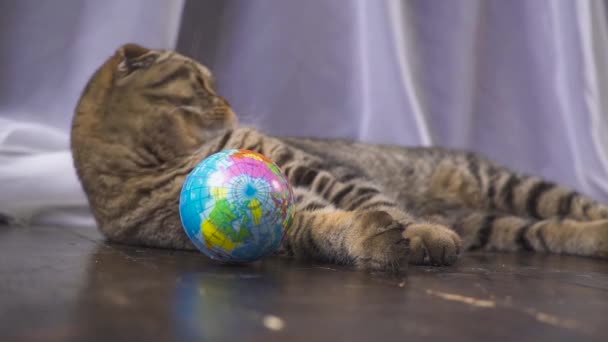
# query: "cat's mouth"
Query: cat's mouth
{"points": [[222, 112], [230, 117]]}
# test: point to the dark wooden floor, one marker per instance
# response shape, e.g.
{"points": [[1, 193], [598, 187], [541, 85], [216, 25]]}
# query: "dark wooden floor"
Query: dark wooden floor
{"points": [[67, 284]]}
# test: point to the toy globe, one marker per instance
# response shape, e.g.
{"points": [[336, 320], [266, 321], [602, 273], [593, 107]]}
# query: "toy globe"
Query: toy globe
{"points": [[236, 205]]}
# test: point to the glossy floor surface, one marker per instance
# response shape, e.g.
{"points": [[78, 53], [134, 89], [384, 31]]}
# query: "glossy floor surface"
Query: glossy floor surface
{"points": [[59, 284]]}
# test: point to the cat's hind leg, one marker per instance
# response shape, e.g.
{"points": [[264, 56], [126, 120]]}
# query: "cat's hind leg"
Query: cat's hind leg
{"points": [[540, 199], [475, 182]]}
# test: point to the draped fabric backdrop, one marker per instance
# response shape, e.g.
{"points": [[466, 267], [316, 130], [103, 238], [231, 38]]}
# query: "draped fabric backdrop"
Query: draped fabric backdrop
{"points": [[519, 81]]}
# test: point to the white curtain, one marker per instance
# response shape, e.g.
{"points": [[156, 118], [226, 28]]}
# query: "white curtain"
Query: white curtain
{"points": [[49, 50], [519, 81]]}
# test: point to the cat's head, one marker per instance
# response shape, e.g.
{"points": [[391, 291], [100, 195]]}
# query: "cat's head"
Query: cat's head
{"points": [[144, 108]]}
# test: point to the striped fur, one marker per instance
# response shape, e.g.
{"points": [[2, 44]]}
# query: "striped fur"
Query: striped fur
{"points": [[147, 117]]}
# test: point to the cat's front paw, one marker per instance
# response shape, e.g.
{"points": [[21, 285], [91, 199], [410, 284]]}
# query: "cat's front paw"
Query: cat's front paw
{"points": [[432, 243], [381, 244]]}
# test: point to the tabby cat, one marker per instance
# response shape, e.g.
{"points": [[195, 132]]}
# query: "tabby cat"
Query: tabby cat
{"points": [[147, 117]]}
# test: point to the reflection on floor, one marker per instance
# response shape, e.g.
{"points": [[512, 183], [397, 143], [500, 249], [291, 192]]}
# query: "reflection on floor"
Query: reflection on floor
{"points": [[61, 284]]}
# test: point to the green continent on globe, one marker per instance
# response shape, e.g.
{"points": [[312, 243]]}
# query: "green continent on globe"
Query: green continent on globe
{"points": [[218, 227]]}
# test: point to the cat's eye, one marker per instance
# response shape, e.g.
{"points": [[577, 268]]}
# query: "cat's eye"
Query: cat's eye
{"points": [[200, 80], [205, 84], [141, 62], [129, 65]]}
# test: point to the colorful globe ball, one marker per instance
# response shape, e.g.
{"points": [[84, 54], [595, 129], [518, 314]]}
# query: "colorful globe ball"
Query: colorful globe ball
{"points": [[236, 205]]}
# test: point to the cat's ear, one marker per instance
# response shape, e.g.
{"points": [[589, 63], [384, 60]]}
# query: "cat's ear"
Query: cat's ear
{"points": [[133, 57]]}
